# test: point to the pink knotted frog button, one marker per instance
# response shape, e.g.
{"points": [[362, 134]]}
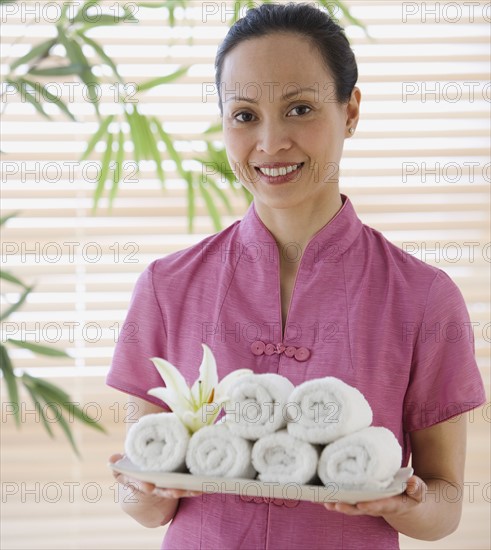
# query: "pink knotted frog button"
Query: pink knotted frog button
{"points": [[290, 351], [269, 349], [280, 348], [257, 347], [302, 354]]}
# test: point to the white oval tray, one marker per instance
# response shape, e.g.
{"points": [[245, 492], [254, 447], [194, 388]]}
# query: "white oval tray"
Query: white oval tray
{"points": [[255, 488]]}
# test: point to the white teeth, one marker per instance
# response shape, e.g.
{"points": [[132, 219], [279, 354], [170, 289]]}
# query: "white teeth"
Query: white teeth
{"points": [[281, 171]]}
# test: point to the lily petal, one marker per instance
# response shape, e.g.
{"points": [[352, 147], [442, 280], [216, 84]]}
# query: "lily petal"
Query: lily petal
{"points": [[171, 376], [207, 413], [192, 421], [177, 404], [207, 376]]}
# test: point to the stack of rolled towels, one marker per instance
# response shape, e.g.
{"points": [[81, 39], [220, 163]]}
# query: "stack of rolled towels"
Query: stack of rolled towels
{"points": [[317, 432]]}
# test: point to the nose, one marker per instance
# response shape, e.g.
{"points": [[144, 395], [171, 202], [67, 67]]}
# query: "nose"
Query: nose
{"points": [[273, 136]]}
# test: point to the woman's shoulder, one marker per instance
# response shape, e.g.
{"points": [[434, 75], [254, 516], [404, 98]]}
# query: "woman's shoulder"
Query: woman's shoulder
{"points": [[403, 257], [399, 267]]}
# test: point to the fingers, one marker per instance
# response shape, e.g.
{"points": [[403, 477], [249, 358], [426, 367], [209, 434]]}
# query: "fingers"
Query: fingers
{"points": [[415, 493], [378, 507], [174, 493], [115, 457], [416, 488]]}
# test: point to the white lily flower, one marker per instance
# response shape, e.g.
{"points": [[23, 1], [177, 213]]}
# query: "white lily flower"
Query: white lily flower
{"points": [[199, 405]]}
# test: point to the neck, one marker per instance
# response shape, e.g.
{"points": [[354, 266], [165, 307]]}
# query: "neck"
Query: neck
{"points": [[298, 224]]}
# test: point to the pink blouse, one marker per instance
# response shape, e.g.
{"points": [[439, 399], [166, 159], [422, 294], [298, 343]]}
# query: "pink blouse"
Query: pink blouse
{"points": [[361, 310]]}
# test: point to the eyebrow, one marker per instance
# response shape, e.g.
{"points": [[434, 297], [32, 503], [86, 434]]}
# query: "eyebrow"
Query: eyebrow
{"points": [[286, 96]]}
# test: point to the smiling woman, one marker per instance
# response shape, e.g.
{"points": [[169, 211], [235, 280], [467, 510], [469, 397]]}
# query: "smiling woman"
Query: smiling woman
{"points": [[286, 147], [350, 300]]}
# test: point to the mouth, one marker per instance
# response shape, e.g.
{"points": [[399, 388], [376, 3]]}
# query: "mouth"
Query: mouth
{"points": [[276, 169], [278, 172]]}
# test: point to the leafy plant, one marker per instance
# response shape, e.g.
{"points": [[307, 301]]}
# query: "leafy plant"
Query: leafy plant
{"points": [[130, 129], [44, 394]]}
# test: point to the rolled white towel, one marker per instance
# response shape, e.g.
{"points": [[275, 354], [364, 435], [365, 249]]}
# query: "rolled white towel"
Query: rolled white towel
{"points": [[367, 459], [217, 451], [324, 409], [280, 457], [257, 404], [158, 442]]}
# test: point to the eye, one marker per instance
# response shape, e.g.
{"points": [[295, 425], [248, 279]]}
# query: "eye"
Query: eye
{"points": [[247, 117], [301, 110]]}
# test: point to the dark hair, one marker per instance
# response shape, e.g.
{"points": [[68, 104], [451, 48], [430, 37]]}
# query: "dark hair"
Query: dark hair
{"points": [[303, 19]]}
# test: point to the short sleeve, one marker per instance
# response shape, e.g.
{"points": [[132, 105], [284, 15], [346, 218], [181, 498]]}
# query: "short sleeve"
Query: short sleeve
{"points": [[445, 380], [142, 336]]}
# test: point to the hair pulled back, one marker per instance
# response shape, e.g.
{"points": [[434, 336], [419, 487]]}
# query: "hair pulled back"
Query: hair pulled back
{"points": [[305, 20]]}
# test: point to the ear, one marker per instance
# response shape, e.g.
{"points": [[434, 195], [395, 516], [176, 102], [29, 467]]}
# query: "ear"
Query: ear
{"points": [[353, 111]]}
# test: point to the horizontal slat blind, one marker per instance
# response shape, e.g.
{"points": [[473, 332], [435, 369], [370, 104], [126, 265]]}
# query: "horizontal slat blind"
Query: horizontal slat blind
{"points": [[417, 169]]}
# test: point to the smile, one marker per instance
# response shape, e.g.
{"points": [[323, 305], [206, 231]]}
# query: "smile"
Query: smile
{"points": [[279, 170]]}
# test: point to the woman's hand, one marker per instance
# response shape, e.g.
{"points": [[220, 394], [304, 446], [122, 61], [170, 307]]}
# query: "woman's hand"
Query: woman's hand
{"points": [[423, 511], [397, 505], [150, 505]]}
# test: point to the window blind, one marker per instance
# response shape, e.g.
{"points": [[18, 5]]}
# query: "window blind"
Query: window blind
{"points": [[417, 169]]}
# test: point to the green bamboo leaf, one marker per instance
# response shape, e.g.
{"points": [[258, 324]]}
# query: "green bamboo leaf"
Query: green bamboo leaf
{"points": [[39, 407], [101, 53], [152, 134], [73, 68], [220, 192], [64, 11], [162, 79], [135, 137], [237, 8], [106, 161], [4, 219], [212, 210], [65, 427], [27, 96], [141, 131], [85, 418], [103, 20], [118, 170], [41, 50], [173, 154], [219, 161], [11, 382], [97, 136], [73, 50], [64, 401], [36, 348], [77, 57], [191, 201], [11, 278], [16, 306], [215, 128], [51, 97], [91, 82], [37, 383]]}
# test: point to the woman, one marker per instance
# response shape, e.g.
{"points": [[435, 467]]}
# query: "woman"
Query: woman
{"points": [[301, 270]]}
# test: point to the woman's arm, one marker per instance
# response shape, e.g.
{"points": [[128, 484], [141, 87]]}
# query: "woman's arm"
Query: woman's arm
{"points": [[149, 505], [425, 511]]}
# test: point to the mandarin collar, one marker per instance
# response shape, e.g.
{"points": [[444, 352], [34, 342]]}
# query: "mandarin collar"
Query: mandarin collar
{"points": [[328, 244]]}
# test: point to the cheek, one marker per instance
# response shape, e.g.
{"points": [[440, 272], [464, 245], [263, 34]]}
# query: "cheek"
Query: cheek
{"points": [[237, 146]]}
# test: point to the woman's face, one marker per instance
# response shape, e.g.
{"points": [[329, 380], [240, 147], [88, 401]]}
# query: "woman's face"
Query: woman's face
{"points": [[283, 128]]}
